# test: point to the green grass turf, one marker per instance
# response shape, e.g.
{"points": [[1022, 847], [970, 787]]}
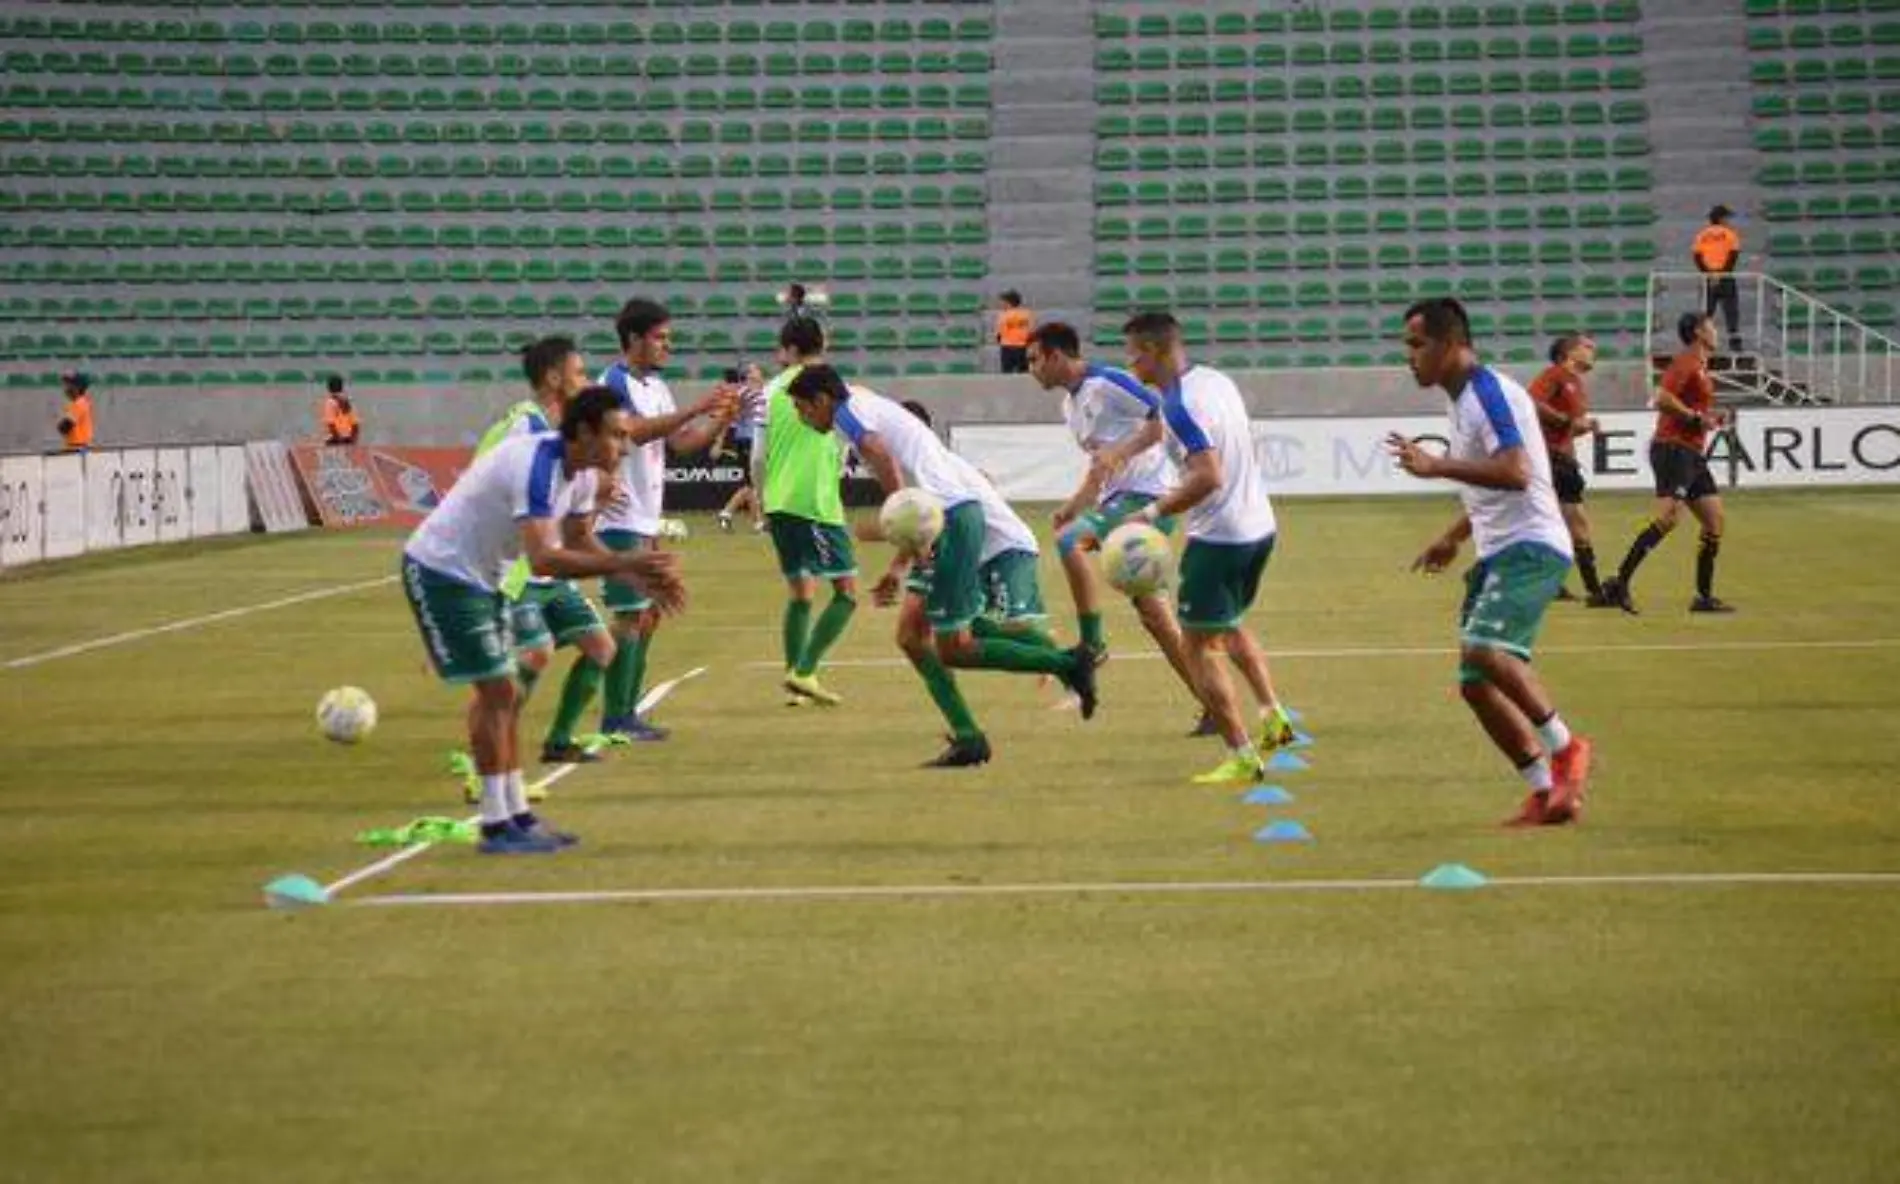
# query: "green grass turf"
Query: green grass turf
{"points": [[157, 1024]]}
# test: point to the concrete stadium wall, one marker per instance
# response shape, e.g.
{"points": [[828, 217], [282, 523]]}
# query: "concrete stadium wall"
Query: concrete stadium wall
{"points": [[450, 416]]}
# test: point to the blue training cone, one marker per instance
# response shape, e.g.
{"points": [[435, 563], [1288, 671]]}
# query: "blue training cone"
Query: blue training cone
{"points": [[1291, 714], [294, 892], [1267, 795], [1455, 876], [1288, 762], [1301, 740], [1283, 832]]}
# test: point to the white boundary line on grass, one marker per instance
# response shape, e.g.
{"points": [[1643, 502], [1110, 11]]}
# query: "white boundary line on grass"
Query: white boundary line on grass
{"points": [[1134, 888], [1432, 651], [179, 626]]}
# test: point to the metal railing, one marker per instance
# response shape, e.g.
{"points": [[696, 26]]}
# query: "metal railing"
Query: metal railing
{"points": [[1795, 348]]}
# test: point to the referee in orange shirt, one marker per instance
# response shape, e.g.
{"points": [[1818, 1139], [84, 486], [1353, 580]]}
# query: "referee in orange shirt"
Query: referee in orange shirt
{"points": [[1013, 327], [1717, 249], [1563, 412]]}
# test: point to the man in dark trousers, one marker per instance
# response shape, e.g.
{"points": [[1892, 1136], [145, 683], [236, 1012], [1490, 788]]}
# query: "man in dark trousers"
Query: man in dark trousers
{"points": [[1717, 249]]}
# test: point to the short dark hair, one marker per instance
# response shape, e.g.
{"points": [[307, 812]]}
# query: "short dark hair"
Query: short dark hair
{"points": [[334, 384], [804, 336], [1154, 325], [794, 292], [543, 357], [590, 408], [1057, 337], [639, 317], [1687, 324], [1443, 317], [817, 380], [1560, 348], [1011, 297], [919, 410]]}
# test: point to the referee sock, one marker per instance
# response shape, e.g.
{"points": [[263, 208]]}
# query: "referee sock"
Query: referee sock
{"points": [[831, 626], [1587, 568], [1639, 551], [795, 630], [1705, 565], [944, 693]]}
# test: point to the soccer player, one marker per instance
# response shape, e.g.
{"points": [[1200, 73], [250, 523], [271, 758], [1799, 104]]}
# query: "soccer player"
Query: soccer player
{"points": [[1230, 536], [902, 451], [529, 496], [1563, 412], [798, 474], [1685, 412], [744, 433], [654, 424], [1511, 515]]}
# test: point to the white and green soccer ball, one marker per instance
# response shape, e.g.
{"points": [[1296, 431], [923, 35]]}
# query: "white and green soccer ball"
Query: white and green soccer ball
{"points": [[911, 519], [346, 714], [1135, 559], [672, 528]]}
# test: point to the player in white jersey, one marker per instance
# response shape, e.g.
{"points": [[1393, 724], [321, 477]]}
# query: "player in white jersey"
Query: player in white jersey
{"points": [[654, 425], [745, 432], [530, 495], [902, 451], [1512, 516], [1230, 536]]}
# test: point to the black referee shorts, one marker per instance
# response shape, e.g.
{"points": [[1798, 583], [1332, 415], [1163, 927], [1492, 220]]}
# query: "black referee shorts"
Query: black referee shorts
{"points": [[1681, 472], [1566, 476]]}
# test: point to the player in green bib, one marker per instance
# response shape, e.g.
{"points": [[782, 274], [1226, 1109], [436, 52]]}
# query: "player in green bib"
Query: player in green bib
{"points": [[798, 472]]}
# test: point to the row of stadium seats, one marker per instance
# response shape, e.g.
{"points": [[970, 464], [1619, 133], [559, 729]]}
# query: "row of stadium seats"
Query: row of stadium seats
{"points": [[1552, 252], [1792, 244], [1276, 55], [1358, 224], [1828, 209], [431, 236], [895, 130], [1861, 138], [1113, 158], [1825, 174], [1825, 71], [499, 65], [1353, 20], [474, 166], [889, 98], [887, 31], [1842, 35], [1387, 292], [536, 200], [1308, 330], [1394, 187], [380, 269], [1847, 104], [454, 306], [1352, 87], [1359, 119], [509, 373], [1810, 8]]}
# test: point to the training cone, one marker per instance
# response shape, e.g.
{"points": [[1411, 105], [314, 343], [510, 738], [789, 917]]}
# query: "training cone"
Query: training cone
{"points": [[1301, 740], [1267, 795], [1283, 832], [1452, 876], [1291, 714], [294, 892], [1287, 762]]}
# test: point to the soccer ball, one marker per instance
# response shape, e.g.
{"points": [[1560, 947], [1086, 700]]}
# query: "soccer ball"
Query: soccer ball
{"points": [[1135, 559], [912, 519], [672, 528], [346, 714]]}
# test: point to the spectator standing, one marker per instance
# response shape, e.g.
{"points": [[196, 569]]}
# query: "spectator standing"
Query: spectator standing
{"points": [[75, 424], [1717, 249], [340, 424], [1014, 324]]}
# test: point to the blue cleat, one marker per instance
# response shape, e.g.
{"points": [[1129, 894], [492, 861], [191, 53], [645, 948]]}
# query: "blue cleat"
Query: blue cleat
{"points": [[510, 839], [633, 727], [537, 828]]}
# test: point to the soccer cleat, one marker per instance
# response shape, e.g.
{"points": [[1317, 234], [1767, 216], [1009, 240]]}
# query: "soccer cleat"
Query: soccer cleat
{"points": [[539, 828], [633, 728], [964, 752], [1276, 730], [569, 753], [462, 765], [1564, 593], [1098, 654], [1207, 725], [1615, 594], [808, 686], [1081, 678], [1532, 813], [510, 839], [1570, 769], [1710, 604], [1235, 770]]}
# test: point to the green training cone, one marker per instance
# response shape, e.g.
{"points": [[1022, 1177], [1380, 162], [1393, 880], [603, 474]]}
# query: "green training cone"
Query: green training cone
{"points": [[294, 892]]}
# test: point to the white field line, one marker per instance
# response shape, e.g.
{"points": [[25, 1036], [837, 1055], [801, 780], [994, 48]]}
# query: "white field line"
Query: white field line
{"points": [[1440, 651], [396, 859], [179, 626], [1135, 888]]}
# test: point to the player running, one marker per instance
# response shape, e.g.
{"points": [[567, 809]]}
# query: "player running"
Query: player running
{"points": [[742, 437], [798, 473], [1563, 412], [1523, 550], [902, 451], [1230, 536], [632, 523], [1685, 413], [529, 496]]}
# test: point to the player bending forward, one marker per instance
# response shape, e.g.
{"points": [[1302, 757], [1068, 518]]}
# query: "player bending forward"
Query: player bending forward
{"points": [[897, 447], [530, 496], [1523, 549]]}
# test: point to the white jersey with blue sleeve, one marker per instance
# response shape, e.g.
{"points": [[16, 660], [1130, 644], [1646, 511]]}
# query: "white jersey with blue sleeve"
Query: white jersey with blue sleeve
{"points": [[923, 459], [1204, 412], [1108, 407], [1490, 415], [1003, 529], [643, 470], [475, 534]]}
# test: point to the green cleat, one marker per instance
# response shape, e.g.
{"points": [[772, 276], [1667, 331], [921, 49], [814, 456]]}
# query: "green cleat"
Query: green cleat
{"points": [[1235, 770], [1276, 729], [807, 686], [462, 765]]}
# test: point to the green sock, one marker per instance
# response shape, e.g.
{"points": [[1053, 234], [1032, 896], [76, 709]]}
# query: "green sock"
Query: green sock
{"points": [[1092, 636], [1026, 632], [830, 627], [637, 673], [583, 681], [795, 630], [1020, 656], [526, 676], [949, 700], [618, 701]]}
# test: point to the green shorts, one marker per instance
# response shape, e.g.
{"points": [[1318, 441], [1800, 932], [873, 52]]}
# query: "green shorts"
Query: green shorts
{"points": [[624, 598], [553, 614], [951, 579], [808, 550], [1505, 599], [1092, 526], [464, 628], [1218, 582], [1011, 591]]}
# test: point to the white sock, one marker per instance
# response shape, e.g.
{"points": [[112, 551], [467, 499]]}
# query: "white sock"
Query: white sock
{"points": [[1246, 752], [517, 796], [1554, 733], [1537, 775], [495, 799]]}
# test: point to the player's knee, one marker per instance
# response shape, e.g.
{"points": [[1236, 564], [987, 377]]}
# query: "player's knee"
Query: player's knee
{"points": [[497, 694], [1471, 682], [1481, 660], [536, 659]]}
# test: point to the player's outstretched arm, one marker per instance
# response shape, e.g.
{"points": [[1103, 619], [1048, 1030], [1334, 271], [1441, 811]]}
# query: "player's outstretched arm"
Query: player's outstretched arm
{"points": [[1200, 478]]}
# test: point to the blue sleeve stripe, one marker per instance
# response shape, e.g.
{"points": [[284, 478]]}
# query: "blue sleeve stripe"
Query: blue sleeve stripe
{"points": [[1497, 409], [1181, 422], [541, 475], [1129, 385], [849, 423], [621, 383], [538, 421]]}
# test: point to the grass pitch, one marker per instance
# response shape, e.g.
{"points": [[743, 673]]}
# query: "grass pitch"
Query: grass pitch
{"points": [[157, 1024]]}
